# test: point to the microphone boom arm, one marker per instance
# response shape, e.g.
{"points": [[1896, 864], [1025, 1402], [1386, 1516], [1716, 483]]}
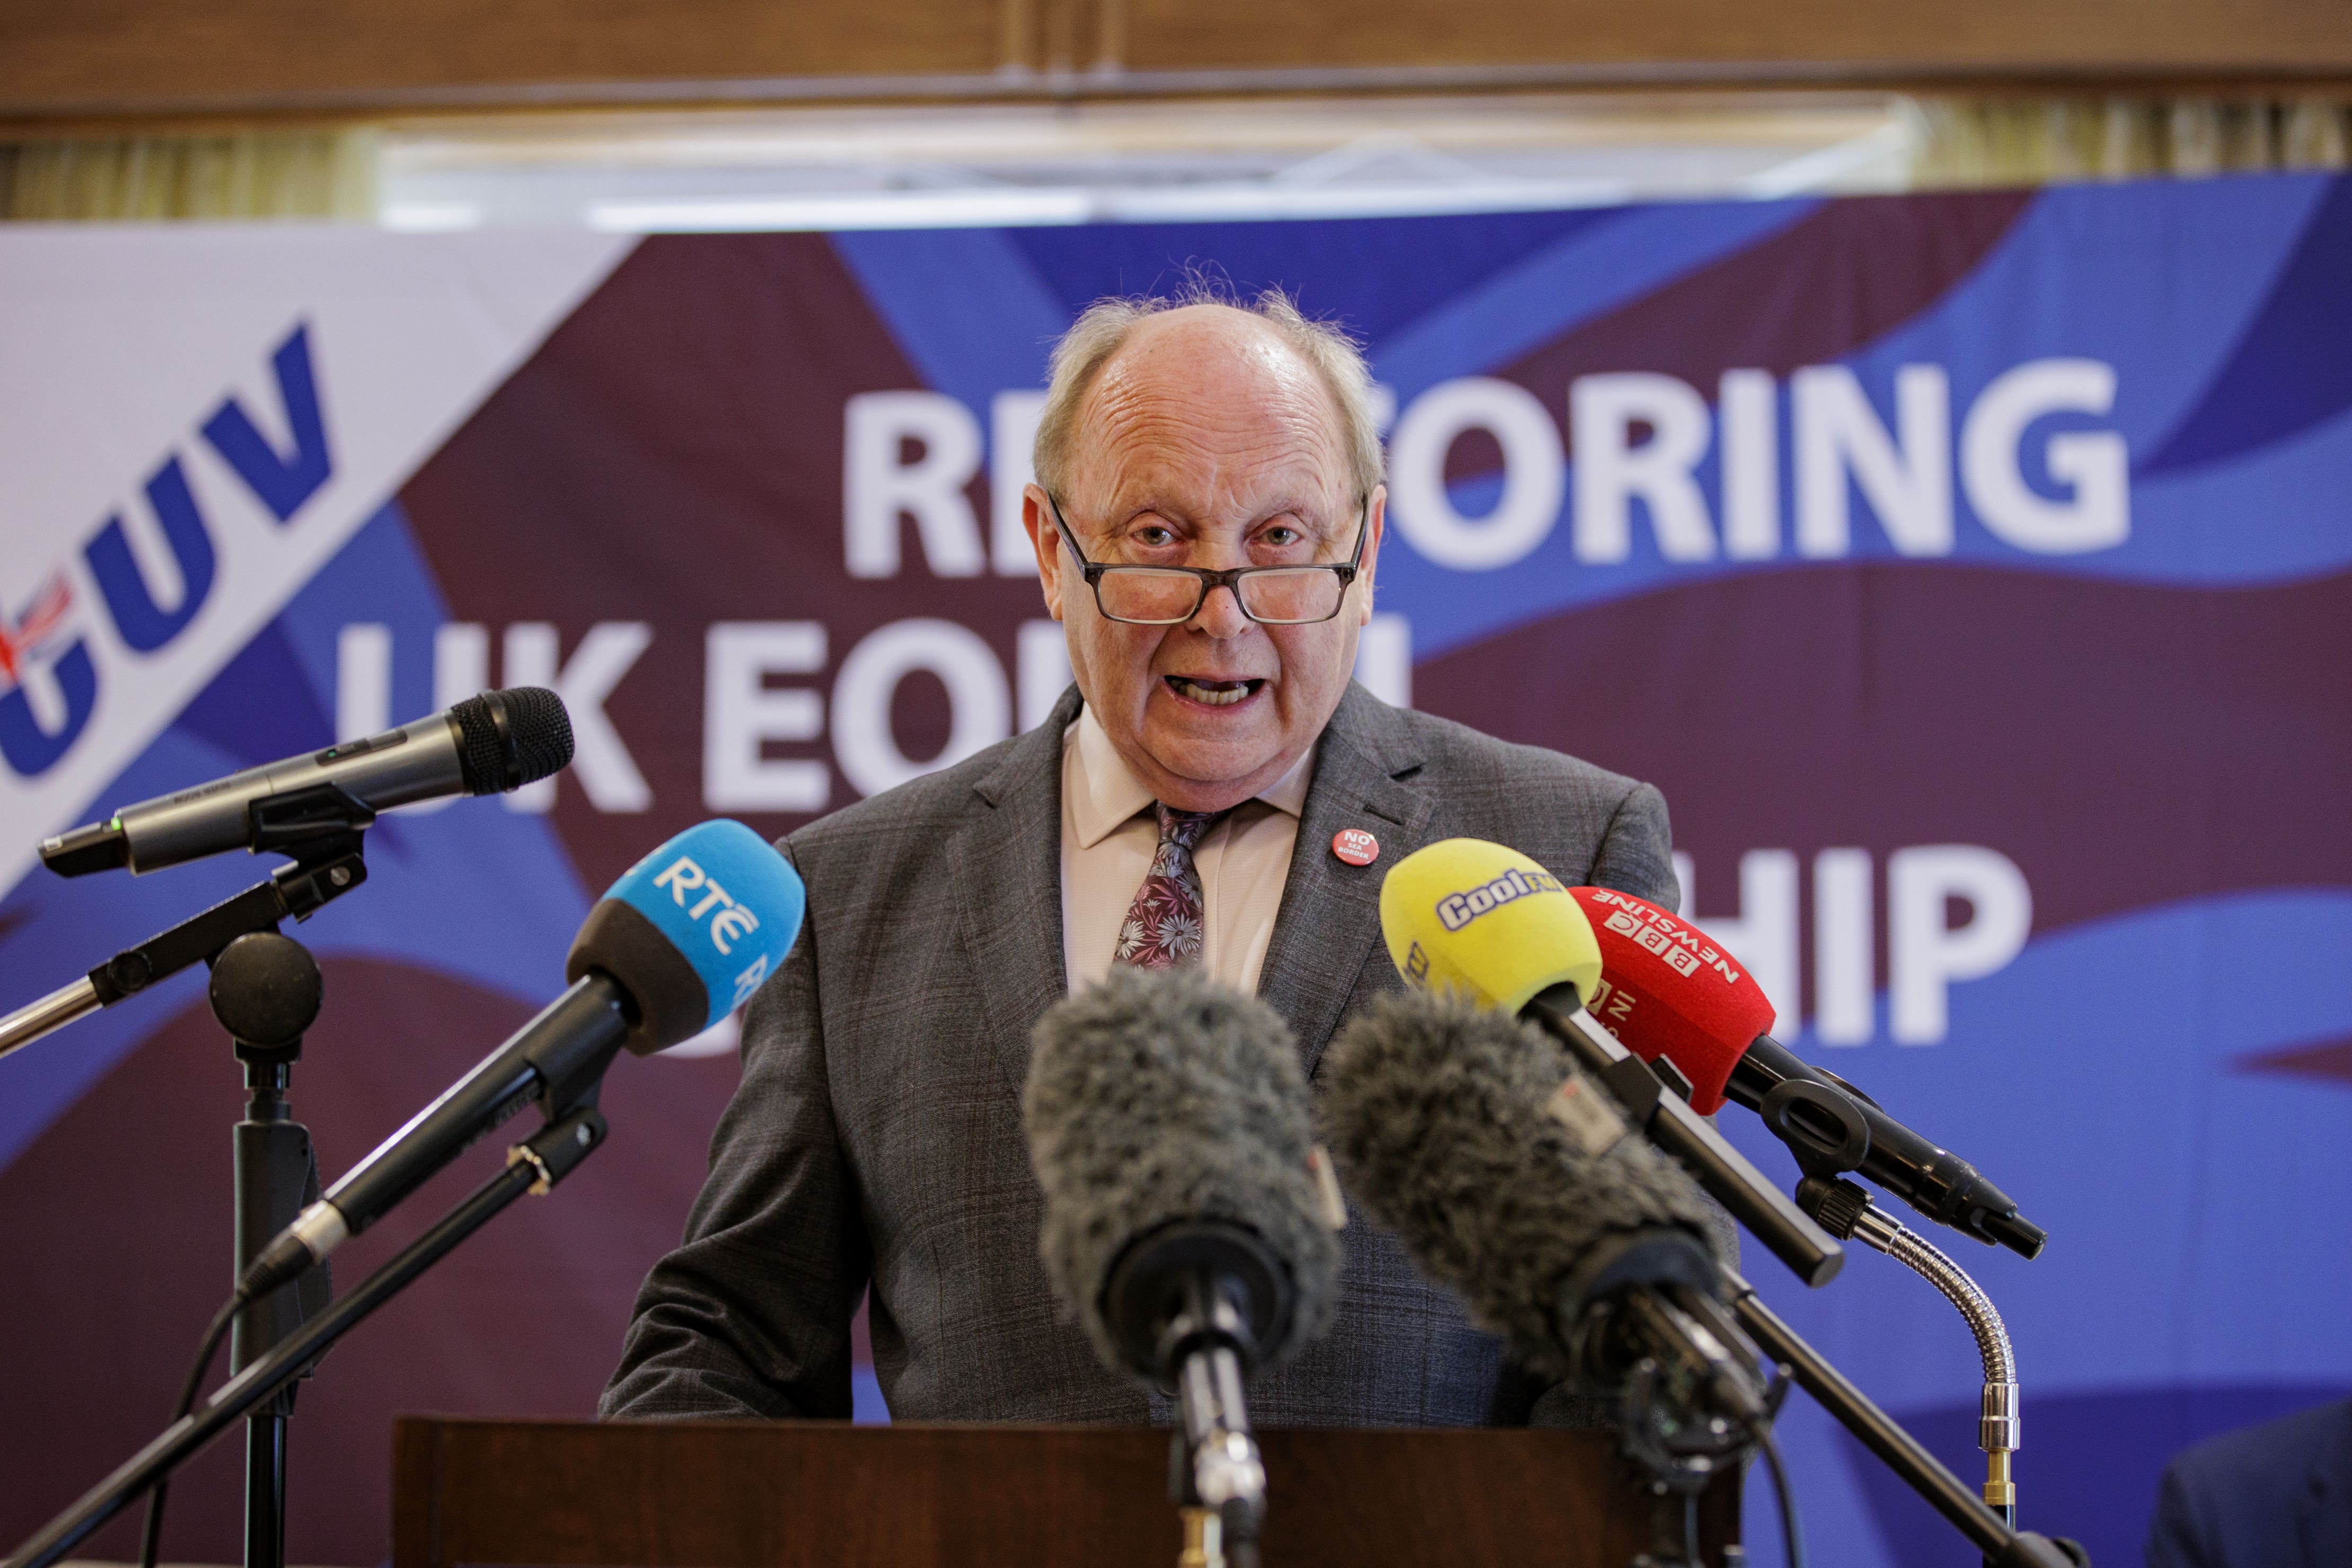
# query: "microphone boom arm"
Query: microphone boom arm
{"points": [[1811, 1253]]}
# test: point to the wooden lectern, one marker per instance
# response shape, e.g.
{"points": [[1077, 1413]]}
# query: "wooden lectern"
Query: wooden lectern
{"points": [[576, 1494]]}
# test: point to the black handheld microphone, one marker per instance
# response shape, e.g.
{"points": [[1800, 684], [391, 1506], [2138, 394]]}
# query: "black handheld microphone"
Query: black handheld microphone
{"points": [[1169, 1128], [499, 740], [1514, 1179], [1777, 1084], [1670, 995], [682, 939]]}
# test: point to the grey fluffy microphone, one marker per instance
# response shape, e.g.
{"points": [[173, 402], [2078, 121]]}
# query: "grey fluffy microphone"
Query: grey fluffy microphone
{"points": [[1169, 1127], [1511, 1178]]}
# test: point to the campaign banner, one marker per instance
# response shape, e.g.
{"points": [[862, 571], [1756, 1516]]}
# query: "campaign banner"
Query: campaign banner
{"points": [[1972, 573]]}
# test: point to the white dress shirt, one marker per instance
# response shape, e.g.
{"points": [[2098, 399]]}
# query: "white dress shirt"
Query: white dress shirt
{"points": [[1109, 835]]}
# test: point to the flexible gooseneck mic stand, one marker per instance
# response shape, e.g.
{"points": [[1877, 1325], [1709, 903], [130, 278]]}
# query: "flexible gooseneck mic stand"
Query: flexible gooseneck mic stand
{"points": [[2002, 1543], [1846, 1212], [1827, 1132]]}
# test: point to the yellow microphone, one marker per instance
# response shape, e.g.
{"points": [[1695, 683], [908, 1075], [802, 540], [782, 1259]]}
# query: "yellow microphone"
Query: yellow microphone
{"points": [[1484, 923], [1530, 933]]}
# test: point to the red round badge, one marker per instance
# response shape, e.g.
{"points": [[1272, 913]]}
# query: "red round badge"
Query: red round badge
{"points": [[1355, 846]]}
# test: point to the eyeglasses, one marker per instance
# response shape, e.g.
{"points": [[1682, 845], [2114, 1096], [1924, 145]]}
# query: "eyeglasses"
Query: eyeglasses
{"points": [[1170, 595]]}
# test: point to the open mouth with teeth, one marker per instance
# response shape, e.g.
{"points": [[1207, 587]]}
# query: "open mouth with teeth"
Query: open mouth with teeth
{"points": [[1213, 693]]}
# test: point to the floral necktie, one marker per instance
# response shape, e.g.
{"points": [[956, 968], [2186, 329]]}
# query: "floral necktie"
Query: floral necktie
{"points": [[1164, 924]]}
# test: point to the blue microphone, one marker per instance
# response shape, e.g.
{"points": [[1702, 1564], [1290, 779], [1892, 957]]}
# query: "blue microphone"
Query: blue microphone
{"points": [[693, 928], [684, 937]]}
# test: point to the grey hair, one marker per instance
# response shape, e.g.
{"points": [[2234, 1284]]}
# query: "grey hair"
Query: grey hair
{"points": [[1104, 327]]}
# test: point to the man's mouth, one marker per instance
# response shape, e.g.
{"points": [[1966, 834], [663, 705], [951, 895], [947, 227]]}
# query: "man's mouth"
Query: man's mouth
{"points": [[1215, 693]]}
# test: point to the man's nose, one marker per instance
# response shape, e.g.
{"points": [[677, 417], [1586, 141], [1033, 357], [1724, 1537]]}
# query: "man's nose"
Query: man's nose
{"points": [[1219, 615]]}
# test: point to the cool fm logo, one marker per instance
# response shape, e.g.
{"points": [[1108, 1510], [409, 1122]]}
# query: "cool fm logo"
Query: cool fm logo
{"points": [[1456, 910]]}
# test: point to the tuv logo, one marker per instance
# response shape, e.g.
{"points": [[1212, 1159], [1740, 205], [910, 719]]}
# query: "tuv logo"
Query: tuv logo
{"points": [[34, 638], [48, 680]]}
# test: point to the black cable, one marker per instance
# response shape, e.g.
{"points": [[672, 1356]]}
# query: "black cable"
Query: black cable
{"points": [[1792, 1545], [151, 1539]]}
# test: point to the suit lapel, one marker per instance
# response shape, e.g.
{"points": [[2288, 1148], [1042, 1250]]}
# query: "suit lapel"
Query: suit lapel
{"points": [[1005, 860], [1329, 924]]}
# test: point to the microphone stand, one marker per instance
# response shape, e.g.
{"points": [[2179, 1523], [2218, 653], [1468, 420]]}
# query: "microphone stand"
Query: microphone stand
{"points": [[319, 828], [535, 1165], [265, 992], [1673, 1419]]}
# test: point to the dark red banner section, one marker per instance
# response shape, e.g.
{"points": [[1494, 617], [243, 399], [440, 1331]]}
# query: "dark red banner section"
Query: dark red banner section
{"points": [[672, 457], [2096, 731], [1825, 286]]}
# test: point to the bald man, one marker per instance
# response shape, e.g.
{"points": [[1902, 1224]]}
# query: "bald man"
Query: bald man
{"points": [[1207, 518]]}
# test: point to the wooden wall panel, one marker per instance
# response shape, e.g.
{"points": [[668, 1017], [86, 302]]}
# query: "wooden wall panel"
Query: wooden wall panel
{"points": [[84, 56], [1783, 39], [64, 60]]}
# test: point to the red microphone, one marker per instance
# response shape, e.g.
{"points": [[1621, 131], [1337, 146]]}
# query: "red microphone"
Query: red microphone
{"points": [[1667, 989]]}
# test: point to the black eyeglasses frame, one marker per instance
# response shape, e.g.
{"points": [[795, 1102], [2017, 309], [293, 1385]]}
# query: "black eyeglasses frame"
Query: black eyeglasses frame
{"points": [[1212, 579]]}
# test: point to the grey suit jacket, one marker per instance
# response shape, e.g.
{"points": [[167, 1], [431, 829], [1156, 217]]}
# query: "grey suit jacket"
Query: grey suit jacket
{"points": [[877, 1135], [2274, 1496]]}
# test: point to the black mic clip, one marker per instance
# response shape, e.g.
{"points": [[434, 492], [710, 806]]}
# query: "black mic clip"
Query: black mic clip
{"points": [[320, 823], [1643, 1319], [321, 819], [326, 868], [1822, 1125]]}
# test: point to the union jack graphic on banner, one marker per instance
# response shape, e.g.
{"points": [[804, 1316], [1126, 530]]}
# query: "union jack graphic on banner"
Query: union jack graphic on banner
{"points": [[35, 630]]}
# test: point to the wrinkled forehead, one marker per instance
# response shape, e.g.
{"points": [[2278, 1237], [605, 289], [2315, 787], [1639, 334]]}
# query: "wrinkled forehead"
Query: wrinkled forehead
{"points": [[1208, 409]]}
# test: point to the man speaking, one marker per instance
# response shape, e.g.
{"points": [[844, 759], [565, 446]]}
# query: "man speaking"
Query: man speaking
{"points": [[1212, 790]]}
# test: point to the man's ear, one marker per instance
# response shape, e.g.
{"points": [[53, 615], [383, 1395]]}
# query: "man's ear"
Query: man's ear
{"points": [[1048, 543], [1375, 517]]}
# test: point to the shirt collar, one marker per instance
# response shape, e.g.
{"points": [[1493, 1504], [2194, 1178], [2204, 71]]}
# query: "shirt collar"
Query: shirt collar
{"points": [[1104, 794]]}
